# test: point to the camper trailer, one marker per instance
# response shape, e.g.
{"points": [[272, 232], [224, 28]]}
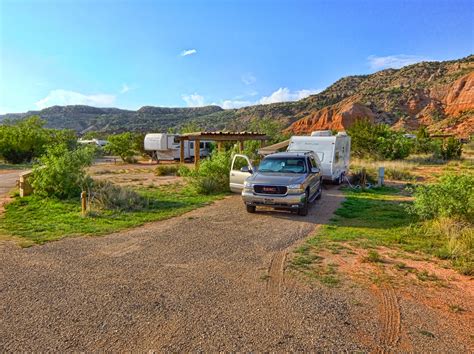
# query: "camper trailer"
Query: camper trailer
{"points": [[333, 152], [166, 147]]}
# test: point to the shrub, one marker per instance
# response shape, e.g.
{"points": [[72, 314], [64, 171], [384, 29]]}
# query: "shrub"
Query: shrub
{"points": [[399, 174], [452, 196], [378, 141], [106, 195], [183, 171], [213, 174], [166, 170], [61, 172], [123, 145], [27, 139], [448, 149]]}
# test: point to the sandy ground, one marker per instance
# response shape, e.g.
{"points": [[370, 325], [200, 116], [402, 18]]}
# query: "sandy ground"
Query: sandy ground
{"points": [[212, 279]]}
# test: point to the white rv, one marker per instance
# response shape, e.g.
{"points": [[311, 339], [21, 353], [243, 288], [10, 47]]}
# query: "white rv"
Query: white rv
{"points": [[333, 151], [167, 147]]}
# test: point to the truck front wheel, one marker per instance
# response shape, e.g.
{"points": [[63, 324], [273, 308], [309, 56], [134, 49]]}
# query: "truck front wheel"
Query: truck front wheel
{"points": [[303, 211], [251, 208]]}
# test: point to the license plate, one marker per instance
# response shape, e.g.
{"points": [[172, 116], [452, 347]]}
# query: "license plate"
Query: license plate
{"points": [[268, 201]]}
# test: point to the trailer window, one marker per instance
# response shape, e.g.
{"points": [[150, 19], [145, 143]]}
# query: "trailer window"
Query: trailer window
{"points": [[191, 145]]}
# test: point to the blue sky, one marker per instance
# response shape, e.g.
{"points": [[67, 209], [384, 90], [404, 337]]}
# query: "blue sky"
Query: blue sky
{"points": [[129, 54]]}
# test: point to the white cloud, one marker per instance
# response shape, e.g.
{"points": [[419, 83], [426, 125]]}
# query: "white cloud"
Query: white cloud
{"points": [[64, 97], [283, 94], [187, 52], [393, 61], [248, 79], [125, 88], [193, 100], [229, 104]]}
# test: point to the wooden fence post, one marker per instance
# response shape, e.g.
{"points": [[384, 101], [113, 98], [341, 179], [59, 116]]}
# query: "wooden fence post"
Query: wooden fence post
{"points": [[84, 203]]}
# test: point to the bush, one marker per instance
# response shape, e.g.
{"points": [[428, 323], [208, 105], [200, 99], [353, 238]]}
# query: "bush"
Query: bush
{"points": [[452, 196], [106, 195], [61, 172], [423, 142], [448, 149], [183, 171], [123, 145], [27, 139], [378, 141], [213, 174], [166, 170]]}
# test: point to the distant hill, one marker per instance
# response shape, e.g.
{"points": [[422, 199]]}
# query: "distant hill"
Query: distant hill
{"points": [[439, 95]]}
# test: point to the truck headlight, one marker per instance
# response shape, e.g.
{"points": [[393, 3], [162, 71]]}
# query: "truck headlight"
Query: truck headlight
{"points": [[248, 184], [295, 188]]}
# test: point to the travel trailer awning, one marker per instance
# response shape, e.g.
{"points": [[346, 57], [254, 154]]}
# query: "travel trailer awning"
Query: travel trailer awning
{"points": [[267, 150]]}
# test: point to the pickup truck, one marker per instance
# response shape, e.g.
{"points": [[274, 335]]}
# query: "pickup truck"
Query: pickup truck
{"points": [[284, 180]]}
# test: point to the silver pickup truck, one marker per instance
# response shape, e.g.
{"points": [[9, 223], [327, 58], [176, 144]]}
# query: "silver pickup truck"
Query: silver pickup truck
{"points": [[286, 180]]}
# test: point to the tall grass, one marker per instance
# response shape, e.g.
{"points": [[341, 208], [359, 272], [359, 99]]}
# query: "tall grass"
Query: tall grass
{"points": [[458, 241], [395, 169]]}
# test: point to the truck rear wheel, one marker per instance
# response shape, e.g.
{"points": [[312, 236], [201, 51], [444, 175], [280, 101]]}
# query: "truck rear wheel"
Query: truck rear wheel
{"points": [[251, 208]]}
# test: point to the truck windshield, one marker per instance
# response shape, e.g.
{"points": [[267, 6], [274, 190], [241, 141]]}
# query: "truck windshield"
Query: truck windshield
{"points": [[283, 165]]}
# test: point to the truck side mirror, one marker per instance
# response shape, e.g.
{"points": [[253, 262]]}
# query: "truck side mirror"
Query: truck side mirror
{"points": [[245, 169], [315, 170]]}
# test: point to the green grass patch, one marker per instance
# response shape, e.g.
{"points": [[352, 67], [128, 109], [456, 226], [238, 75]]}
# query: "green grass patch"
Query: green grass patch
{"points": [[376, 217], [40, 220]]}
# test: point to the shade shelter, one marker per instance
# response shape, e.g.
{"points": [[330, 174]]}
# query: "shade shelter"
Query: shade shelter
{"points": [[219, 137]]}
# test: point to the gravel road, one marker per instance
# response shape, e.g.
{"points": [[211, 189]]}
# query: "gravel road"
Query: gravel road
{"points": [[8, 181], [210, 280]]}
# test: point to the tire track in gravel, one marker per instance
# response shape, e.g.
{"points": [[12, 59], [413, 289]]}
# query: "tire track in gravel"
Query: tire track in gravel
{"points": [[389, 317], [276, 273]]}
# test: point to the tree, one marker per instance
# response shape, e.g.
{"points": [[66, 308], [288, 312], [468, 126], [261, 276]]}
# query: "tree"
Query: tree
{"points": [[123, 145], [378, 141], [27, 139], [423, 141]]}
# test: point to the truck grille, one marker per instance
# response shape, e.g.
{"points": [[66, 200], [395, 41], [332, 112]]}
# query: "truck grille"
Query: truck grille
{"points": [[270, 189]]}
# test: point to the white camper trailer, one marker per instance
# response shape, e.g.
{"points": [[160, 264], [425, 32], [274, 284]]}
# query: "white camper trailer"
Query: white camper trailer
{"points": [[166, 147], [333, 151]]}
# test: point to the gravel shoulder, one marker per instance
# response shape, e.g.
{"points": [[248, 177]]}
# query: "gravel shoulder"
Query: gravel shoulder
{"points": [[195, 282]]}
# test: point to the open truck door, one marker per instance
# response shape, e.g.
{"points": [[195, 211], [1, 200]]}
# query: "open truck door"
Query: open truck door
{"points": [[240, 169]]}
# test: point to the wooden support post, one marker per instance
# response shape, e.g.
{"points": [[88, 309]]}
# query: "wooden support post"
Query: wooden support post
{"points": [[196, 154], [363, 179], [219, 146], [181, 151], [241, 146], [84, 203]]}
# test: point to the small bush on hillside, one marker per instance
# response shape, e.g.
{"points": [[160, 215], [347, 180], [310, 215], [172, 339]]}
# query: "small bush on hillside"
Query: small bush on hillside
{"points": [[452, 196], [378, 141], [106, 195], [213, 174], [61, 172], [123, 145]]}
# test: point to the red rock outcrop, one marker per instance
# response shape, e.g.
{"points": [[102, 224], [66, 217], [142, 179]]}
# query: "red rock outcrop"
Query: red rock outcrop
{"points": [[337, 117], [436, 108]]}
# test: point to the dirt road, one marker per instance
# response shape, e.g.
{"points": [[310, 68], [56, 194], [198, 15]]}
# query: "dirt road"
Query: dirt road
{"points": [[209, 280]]}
